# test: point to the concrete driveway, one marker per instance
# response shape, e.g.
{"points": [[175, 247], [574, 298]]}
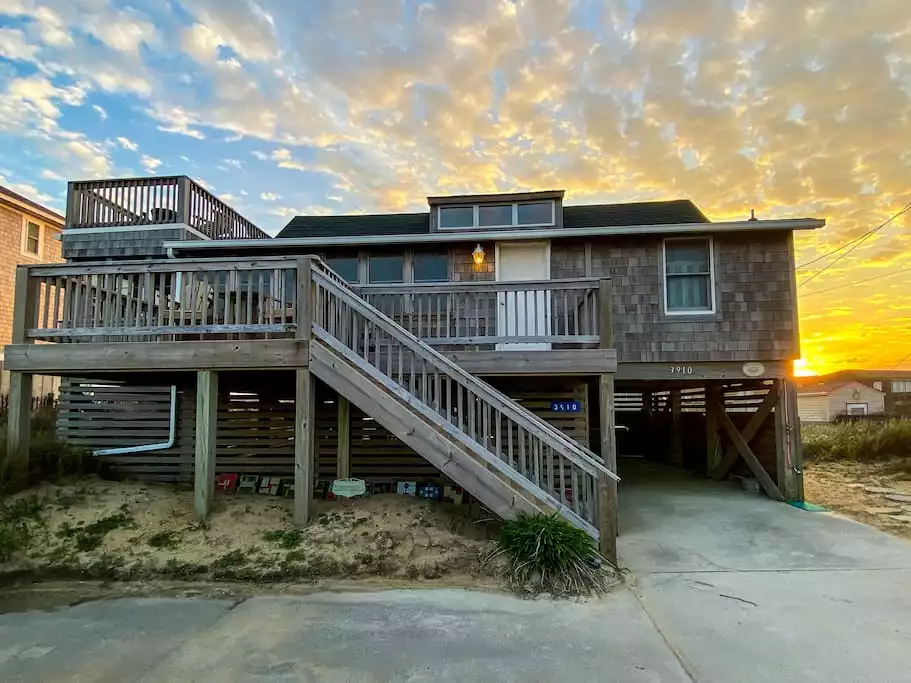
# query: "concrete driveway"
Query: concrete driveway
{"points": [[746, 589], [724, 586]]}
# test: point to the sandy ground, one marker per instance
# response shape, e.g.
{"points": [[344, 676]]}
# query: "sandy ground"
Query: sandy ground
{"points": [[148, 531], [860, 491]]}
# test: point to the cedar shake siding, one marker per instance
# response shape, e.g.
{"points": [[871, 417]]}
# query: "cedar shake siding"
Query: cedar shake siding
{"points": [[755, 311], [121, 244]]}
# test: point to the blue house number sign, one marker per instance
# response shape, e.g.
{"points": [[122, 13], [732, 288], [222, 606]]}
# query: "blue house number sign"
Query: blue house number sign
{"points": [[565, 406]]}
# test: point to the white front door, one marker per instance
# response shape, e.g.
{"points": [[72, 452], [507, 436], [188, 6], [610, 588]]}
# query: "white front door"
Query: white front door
{"points": [[526, 312]]}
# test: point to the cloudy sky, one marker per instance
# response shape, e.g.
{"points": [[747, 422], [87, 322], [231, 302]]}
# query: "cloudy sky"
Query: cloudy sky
{"points": [[283, 107]]}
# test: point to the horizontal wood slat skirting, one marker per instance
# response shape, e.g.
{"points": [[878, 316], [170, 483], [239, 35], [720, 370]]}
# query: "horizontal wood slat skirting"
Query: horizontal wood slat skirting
{"points": [[256, 432]]}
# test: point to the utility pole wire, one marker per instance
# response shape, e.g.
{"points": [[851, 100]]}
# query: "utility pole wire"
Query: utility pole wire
{"points": [[859, 282], [856, 243]]}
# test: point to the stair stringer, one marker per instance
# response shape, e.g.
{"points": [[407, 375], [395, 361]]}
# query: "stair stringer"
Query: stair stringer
{"points": [[440, 443]]}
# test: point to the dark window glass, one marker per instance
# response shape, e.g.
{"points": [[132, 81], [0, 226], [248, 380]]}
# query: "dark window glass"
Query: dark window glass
{"points": [[431, 268], [386, 269], [495, 215], [456, 216], [535, 213], [345, 266], [689, 275], [33, 238]]}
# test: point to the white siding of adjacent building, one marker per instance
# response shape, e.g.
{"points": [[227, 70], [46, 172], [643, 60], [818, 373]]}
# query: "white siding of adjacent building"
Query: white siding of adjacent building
{"points": [[813, 407], [820, 406], [855, 392]]}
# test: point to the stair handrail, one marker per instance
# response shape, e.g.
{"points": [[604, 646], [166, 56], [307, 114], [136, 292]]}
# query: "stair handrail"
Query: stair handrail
{"points": [[569, 448]]}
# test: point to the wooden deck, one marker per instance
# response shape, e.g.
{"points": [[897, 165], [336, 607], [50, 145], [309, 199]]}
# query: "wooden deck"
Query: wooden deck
{"points": [[147, 316], [165, 200]]}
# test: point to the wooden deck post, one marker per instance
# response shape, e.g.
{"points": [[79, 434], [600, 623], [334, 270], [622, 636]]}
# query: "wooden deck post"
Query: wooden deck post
{"points": [[16, 459], [344, 438], [206, 430], [789, 447], [605, 314], [304, 445], [18, 430], [607, 487], [712, 436], [676, 401]]}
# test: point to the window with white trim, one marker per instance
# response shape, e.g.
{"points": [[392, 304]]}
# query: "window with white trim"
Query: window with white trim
{"points": [[497, 215], [857, 408], [901, 387], [688, 276], [31, 242]]}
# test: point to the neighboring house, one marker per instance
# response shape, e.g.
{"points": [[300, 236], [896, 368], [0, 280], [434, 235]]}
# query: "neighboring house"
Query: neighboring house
{"points": [[29, 233], [492, 341], [827, 401], [894, 384]]}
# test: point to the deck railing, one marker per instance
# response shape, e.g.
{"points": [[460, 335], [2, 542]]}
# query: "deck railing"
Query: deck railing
{"points": [[534, 454], [165, 200], [163, 300], [475, 313]]}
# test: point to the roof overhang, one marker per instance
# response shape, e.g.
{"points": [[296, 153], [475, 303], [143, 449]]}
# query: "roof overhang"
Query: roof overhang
{"points": [[733, 227], [20, 203], [498, 198]]}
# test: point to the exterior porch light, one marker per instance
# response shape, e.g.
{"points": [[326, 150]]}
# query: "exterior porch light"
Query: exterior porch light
{"points": [[478, 255]]}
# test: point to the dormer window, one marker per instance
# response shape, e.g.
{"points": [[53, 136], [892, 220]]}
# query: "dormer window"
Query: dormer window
{"points": [[499, 215], [455, 217]]}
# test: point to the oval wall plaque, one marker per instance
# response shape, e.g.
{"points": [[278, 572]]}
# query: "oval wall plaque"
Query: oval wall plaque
{"points": [[753, 369]]}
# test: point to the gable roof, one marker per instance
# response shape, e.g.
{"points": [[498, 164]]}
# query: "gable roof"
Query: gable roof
{"points": [[586, 216]]}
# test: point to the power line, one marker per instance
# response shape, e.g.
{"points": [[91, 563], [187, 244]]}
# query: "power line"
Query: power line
{"points": [[901, 361], [856, 243], [859, 282]]}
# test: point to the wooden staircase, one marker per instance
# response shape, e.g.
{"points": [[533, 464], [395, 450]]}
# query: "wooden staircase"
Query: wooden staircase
{"points": [[503, 454]]}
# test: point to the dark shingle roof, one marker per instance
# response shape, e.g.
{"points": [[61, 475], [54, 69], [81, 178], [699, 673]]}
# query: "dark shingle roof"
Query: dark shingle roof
{"points": [[638, 213], [356, 225], [593, 215]]}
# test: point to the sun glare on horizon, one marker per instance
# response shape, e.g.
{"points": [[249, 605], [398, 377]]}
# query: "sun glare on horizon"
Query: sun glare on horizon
{"points": [[802, 368]]}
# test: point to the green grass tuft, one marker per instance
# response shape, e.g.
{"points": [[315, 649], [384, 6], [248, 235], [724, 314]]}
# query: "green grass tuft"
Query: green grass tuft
{"points": [[861, 441], [19, 521], [91, 536], [547, 554], [165, 539], [285, 538]]}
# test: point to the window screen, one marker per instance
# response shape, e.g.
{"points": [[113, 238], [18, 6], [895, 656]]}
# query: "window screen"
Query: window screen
{"points": [[346, 267], [689, 275], [495, 215], [431, 267], [535, 213], [386, 269], [32, 238], [456, 216]]}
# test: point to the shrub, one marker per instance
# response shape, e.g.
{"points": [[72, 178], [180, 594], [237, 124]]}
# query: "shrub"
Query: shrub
{"points": [[19, 521], [862, 441], [50, 458], [545, 553]]}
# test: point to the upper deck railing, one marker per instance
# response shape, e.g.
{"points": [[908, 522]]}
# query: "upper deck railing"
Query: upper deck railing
{"points": [[182, 299], [163, 200]]}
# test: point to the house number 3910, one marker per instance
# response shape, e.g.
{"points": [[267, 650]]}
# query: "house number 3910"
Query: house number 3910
{"points": [[681, 369]]}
